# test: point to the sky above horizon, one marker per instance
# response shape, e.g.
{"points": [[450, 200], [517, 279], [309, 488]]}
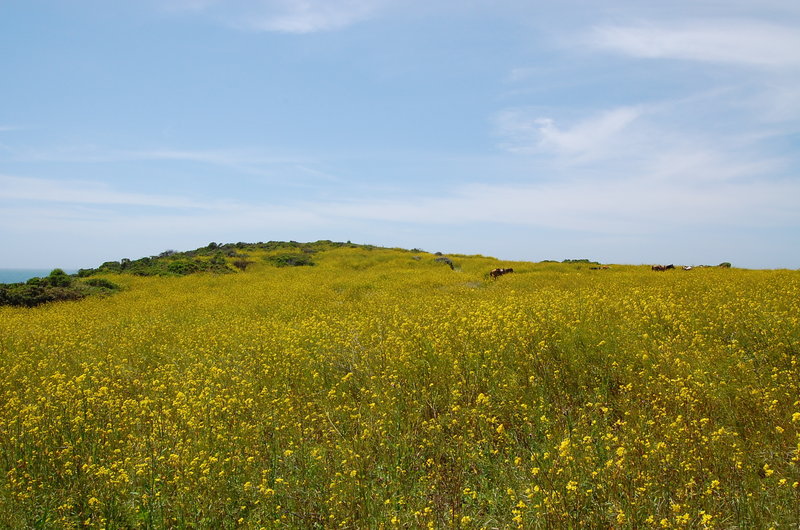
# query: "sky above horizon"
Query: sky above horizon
{"points": [[620, 131]]}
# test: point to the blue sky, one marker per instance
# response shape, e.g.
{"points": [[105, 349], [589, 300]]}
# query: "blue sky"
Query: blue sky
{"points": [[622, 131]]}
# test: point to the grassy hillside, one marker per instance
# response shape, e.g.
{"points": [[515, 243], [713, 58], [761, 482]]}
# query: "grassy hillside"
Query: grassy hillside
{"points": [[380, 387]]}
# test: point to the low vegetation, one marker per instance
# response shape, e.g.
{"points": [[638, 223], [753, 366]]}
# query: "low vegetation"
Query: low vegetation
{"points": [[220, 259], [213, 258], [380, 388], [58, 286], [290, 259]]}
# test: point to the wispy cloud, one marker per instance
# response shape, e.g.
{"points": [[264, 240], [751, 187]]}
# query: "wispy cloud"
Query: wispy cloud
{"points": [[586, 135], [713, 135], [526, 131], [284, 16], [94, 153], [650, 213], [665, 166], [741, 42], [41, 190], [622, 205], [241, 161]]}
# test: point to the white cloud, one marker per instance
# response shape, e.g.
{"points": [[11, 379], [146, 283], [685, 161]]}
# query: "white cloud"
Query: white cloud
{"points": [[741, 42], [698, 164], [713, 136], [640, 206], [589, 135], [665, 166], [189, 5], [622, 206], [47, 190], [778, 101], [284, 16], [92, 153], [682, 193], [243, 161], [310, 16], [593, 137]]}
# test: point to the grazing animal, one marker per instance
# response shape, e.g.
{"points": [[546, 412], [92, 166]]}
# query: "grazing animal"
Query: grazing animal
{"points": [[663, 267], [447, 261], [495, 273], [687, 267]]}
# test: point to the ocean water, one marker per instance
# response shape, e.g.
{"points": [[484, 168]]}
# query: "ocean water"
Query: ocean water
{"points": [[23, 275]]}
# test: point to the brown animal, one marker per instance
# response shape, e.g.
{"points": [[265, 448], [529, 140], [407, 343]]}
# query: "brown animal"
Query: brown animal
{"points": [[495, 273], [662, 267]]}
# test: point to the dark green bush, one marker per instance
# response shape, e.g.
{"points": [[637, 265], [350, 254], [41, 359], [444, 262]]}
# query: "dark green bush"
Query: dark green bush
{"points": [[290, 260], [110, 266], [23, 294], [241, 264], [59, 278], [582, 260], [447, 261], [101, 283], [182, 267]]}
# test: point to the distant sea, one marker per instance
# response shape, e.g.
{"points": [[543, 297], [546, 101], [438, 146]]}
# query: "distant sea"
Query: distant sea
{"points": [[23, 275]]}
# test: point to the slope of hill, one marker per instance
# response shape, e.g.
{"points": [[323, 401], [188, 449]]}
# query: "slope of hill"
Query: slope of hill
{"points": [[380, 387]]}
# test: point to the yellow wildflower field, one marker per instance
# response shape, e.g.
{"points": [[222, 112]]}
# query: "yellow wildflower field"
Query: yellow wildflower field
{"points": [[380, 388]]}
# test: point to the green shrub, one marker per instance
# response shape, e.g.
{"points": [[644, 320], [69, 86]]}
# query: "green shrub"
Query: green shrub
{"points": [[447, 261], [59, 278], [110, 266], [582, 260], [182, 267], [241, 264], [101, 283], [30, 295], [290, 260]]}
